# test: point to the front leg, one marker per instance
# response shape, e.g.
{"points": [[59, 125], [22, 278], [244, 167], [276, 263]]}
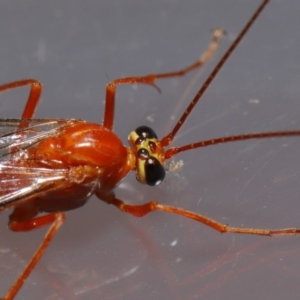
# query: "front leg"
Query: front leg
{"points": [[150, 79]]}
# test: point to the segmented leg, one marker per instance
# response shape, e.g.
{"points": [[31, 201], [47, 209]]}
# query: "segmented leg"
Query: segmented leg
{"points": [[150, 79], [33, 98], [144, 209], [55, 219]]}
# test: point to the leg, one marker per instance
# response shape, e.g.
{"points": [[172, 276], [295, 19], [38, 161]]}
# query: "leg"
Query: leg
{"points": [[56, 220], [33, 98], [142, 210], [150, 79]]}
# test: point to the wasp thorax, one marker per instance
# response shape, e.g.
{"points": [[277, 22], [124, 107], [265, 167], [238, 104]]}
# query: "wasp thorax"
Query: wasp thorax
{"points": [[149, 156]]}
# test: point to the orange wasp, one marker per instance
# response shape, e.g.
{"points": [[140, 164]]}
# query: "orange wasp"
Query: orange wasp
{"points": [[50, 166]]}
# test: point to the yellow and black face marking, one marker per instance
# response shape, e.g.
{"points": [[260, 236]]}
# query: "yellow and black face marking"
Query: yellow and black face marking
{"points": [[149, 156]]}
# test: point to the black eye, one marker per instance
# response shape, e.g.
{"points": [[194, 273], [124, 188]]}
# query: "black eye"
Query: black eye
{"points": [[143, 154], [154, 171], [146, 132]]}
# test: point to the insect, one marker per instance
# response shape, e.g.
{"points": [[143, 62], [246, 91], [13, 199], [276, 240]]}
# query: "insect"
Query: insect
{"points": [[52, 166]]}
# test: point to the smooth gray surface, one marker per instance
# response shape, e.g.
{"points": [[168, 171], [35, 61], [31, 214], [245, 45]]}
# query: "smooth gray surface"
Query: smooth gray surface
{"points": [[74, 48]]}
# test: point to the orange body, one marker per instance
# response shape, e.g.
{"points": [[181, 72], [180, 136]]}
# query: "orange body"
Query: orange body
{"points": [[94, 158]]}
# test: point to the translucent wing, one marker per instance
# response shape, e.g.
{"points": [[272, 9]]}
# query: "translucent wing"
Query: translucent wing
{"points": [[17, 181], [16, 134]]}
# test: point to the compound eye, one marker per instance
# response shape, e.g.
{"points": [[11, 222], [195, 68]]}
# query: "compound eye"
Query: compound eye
{"points": [[146, 132], [154, 171]]}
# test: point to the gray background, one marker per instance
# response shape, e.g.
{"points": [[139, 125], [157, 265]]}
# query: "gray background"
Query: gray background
{"points": [[74, 48]]}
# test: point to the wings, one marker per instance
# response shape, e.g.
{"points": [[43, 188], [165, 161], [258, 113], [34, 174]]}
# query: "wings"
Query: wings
{"points": [[16, 134], [17, 181]]}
